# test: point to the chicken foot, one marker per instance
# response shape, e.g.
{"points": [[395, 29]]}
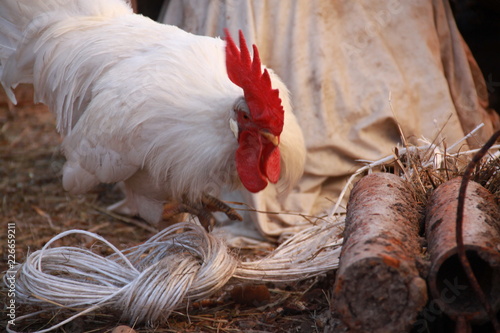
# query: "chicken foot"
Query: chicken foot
{"points": [[203, 210]]}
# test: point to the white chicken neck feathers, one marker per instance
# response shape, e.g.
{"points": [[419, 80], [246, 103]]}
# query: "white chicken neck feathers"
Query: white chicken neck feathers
{"points": [[168, 103], [136, 100]]}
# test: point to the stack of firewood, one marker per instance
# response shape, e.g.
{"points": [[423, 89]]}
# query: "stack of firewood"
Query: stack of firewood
{"points": [[400, 262]]}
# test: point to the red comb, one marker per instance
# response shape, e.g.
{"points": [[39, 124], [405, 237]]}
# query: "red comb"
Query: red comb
{"points": [[262, 100]]}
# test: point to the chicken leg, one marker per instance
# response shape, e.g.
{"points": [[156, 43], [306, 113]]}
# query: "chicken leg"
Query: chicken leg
{"points": [[203, 210]]}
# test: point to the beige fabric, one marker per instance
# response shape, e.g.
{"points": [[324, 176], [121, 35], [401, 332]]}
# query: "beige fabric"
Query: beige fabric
{"points": [[343, 61]]}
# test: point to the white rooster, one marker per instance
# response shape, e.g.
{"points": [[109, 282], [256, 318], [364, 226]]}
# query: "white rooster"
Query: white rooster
{"points": [[174, 116]]}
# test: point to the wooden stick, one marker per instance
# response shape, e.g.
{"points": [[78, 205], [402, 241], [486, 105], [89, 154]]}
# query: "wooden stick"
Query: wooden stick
{"points": [[378, 286], [448, 282]]}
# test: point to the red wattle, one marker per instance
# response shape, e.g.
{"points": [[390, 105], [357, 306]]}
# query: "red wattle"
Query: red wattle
{"points": [[257, 162], [248, 157], [271, 162]]}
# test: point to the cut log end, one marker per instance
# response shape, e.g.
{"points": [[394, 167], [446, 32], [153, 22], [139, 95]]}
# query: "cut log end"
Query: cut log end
{"points": [[377, 297], [448, 283], [378, 287], [453, 291]]}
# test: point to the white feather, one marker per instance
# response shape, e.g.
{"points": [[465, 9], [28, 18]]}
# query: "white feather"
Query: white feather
{"points": [[292, 145]]}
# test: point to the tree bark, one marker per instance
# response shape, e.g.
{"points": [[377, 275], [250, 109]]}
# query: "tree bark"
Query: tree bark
{"points": [[448, 283], [378, 286]]}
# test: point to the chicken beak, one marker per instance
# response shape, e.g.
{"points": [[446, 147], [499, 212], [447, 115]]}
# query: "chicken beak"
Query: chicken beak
{"points": [[269, 136]]}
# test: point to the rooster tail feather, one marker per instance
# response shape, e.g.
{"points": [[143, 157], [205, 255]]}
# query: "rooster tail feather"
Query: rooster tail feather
{"points": [[23, 12], [22, 20], [29, 53]]}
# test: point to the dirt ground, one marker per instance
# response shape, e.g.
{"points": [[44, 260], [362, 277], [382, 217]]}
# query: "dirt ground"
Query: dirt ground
{"points": [[32, 197]]}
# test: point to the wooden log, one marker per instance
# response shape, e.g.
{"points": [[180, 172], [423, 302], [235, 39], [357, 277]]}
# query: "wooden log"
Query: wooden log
{"points": [[448, 283], [378, 286]]}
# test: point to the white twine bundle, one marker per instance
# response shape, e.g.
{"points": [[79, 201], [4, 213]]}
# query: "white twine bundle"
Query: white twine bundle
{"points": [[179, 265]]}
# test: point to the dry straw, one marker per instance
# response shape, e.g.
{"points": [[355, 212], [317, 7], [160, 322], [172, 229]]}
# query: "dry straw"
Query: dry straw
{"points": [[428, 156]]}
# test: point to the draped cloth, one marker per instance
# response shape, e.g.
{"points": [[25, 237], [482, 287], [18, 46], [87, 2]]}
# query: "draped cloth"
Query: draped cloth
{"points": [[355, 69]]}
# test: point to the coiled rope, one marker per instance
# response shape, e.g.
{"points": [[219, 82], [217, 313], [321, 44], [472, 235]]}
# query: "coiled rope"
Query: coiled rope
{"points": [[179, 265]]}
